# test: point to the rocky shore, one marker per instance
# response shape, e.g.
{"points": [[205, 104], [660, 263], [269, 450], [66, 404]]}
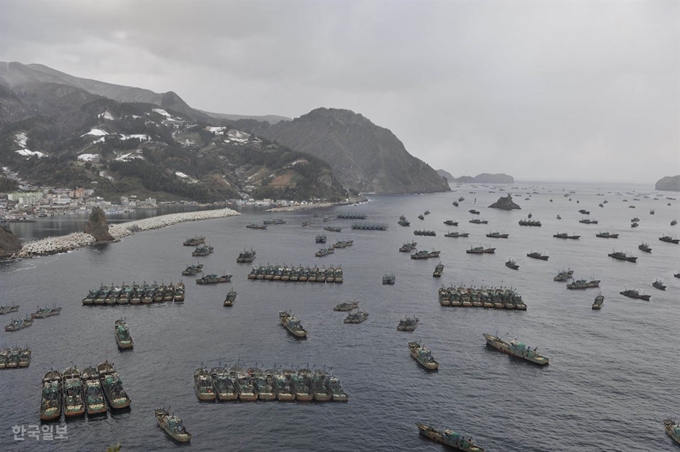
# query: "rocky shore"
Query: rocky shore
{"points": [[54, 245]]}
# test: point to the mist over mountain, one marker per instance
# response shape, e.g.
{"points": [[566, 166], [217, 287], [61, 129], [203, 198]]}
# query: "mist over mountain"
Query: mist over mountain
{"points": [[364, 156], [15, 74]]}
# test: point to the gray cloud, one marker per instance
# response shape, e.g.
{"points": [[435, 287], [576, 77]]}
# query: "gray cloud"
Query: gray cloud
{"points": [[537, 89]]}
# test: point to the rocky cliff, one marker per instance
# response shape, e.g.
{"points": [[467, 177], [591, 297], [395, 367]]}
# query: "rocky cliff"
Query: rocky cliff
{"points": [[364, 156], [668, 183], [9, 243], [97, 226], [505, 203]]}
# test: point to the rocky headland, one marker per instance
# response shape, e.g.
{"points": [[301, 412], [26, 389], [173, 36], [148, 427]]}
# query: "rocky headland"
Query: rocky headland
{"points": [[505, 203], [668, 183]]}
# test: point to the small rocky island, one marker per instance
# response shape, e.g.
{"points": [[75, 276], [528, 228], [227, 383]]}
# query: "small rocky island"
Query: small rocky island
{"points": [[483, 178], [504, 203], [97, 226], [9, 243], [668, 183]]}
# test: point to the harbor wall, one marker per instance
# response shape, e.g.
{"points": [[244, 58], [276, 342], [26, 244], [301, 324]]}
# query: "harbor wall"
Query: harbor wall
{"points": [[54, 245]]}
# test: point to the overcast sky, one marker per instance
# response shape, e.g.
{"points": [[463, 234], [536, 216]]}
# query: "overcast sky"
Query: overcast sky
{"points": [[563, 90]]}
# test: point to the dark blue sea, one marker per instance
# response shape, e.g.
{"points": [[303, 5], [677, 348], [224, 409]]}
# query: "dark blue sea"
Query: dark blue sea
{"points": [[613, 375]]}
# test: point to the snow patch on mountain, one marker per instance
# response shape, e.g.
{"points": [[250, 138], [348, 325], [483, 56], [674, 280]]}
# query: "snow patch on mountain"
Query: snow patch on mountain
{"points": [[106, 115], [20, 138], [96, 133], [88, 157]]}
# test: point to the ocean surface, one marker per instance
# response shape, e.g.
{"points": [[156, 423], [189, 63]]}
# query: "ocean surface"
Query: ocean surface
{"points": [[613, 375]]}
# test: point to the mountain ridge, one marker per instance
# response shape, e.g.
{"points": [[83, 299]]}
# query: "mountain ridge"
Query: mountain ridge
{"points": [[364, 156]]}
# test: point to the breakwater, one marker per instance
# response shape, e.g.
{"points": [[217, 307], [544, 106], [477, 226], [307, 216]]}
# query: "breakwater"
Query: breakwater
{"points": [[62, 244]]}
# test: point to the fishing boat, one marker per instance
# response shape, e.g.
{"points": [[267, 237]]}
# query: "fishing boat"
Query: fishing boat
{"points": [[438, 270], [669, 239], [451, 223], [263, 385], [423, 356], [632, 293], [448, 438], [337, 393], [13, 358], [243, 384], [24, 357], [292, 324], [480, 250], [512, 264], [320, 238], [324, 252], [73, 393], [246, 256], [620, 255], [497, 235], [672, 429], [123, 338], [202, 250], [319, 386], [425, 254], [172, 425], [282, 388], [256, 226], [95, 403], [179, 292], [214, 279], [230, 298], [645, 247], [19, 324], [535, 255], [674, 222], [332, 229], [564, 235], [516, 349], [388, 279], [479, 221], [223, 384], [42, 313], [113, 386], [192, 270], [203, 384], [300, 385], [408, 324], [456, 235], [346, 306], [421, 217], [658, 284], [607, 235], [564, 275], [198, 240], [9, 309], [50, 404], [356, 317], [599, 300], [582, 284], [587, 221]]}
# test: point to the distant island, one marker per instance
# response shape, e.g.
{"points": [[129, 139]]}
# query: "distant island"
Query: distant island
{"points": [[483, 178], [668, 183]]}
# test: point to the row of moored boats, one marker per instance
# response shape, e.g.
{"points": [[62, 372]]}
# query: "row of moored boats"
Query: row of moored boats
{"points": [[135, 294], [74, 393], [251, 384]]}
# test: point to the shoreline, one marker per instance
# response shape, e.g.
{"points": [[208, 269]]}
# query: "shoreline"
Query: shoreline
{"points": [[320, 205], [76, 240]]}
